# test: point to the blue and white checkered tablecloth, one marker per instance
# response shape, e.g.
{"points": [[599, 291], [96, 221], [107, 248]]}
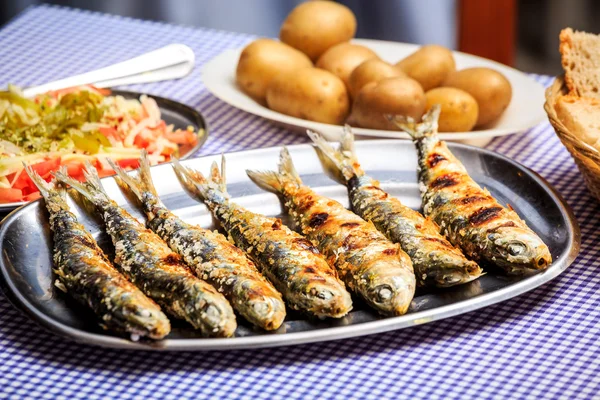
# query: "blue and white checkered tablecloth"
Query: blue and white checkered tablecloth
{"points": [[543, 344]]}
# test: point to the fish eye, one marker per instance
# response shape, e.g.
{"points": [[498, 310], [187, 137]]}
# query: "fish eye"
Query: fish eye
{"points": [[516, 249], [384, 292]]}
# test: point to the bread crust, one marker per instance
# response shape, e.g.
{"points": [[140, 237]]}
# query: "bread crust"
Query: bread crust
{"points": [[564, 47], [580, 58]]}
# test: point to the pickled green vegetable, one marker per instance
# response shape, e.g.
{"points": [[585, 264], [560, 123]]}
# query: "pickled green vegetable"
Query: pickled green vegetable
{"points": [[46, 125]]}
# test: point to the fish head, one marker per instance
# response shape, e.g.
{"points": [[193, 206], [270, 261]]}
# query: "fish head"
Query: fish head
{"points": [[451, 272], [267, 312], [328, 297], [518, 250], [390, 287], [141, 315]]}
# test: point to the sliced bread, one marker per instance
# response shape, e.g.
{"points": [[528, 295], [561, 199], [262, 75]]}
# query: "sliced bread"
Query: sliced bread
{"points": [[581, 116], [580, 53]]}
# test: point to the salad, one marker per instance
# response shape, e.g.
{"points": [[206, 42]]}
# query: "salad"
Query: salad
{"points": [[71, 126]]}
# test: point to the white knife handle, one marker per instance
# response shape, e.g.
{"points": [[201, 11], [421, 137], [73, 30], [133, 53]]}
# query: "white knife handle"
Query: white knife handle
{"points": [[169, 62]]}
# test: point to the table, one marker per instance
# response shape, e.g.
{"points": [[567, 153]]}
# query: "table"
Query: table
{"points": [[542, 344]]}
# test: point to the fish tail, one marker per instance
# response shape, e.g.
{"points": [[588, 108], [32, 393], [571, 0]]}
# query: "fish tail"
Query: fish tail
{"points": [[341, 164], [140, 183], [273, 181], [52, 191], [217, 177], [427, 127], [198, 185], [44, 187], [91, 189]]}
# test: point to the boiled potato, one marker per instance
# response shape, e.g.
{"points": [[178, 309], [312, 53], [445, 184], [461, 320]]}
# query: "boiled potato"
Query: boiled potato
{"points": [[343, 58], [397, 96], [261, 60], [315, 26], [458, 109], [430, 65], [490, 88], [309, 93], [372, 70]]}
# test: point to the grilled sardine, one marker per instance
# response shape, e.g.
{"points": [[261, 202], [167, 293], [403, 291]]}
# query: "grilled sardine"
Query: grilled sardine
{"points": [[151, 265], [435, 260], [84, 272], [372, 266], [287, 259], [467, 214], [209, 254]]}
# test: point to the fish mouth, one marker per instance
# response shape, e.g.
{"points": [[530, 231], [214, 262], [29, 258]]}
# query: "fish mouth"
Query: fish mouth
{"points": [[144, 322], [543, 261], [266, 312], [523, 252], [458, 275], [330, 301], [215, 322], [393, 297]]}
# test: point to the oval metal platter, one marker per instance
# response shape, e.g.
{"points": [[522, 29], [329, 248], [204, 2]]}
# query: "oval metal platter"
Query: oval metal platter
{"points": [[25, 241], [173, 112]]}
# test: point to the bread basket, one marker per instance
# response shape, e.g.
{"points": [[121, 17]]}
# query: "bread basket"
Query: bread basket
{"points": [[586, 157]]}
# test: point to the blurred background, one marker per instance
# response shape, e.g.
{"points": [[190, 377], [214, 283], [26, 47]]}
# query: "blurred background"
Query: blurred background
{"points": [[521, 33]]}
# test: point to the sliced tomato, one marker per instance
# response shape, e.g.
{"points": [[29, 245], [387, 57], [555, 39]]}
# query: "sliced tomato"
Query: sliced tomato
{"points": [[57, 93], [109, 132], [10, 195], [21, 181], [142, 142], [44, 169], [105, 172], [75, 169], [33, 196], [181, 137], [132, 163]]}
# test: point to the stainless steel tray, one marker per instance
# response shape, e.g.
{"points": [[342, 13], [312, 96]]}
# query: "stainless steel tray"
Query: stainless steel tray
{"points": [[25, 241]]}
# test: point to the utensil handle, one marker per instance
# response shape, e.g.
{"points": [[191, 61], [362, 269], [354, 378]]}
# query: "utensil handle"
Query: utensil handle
{"points": [[169, 62]]}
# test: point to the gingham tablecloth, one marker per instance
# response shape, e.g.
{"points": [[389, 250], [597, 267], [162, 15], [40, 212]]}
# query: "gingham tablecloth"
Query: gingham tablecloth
{"points": [[543, 344]]}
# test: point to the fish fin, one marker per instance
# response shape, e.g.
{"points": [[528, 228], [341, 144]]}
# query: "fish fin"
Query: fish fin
{"points": [[286, 167], [53, 192], [141, 182], [266, 180], [198, 186], [91, 189], [427, 127], [44, 187], [273, 181], [341, 164], [59, 186], [217, 178]]}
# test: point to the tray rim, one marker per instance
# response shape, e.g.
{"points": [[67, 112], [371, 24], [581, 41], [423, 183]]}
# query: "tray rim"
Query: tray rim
{"points": [[319, 335]]}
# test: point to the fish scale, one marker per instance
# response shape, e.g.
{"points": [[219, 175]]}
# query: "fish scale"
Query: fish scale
{"points": [[287, 259], [151, 265], [436, 262], [468, 215], [372, 266], [84, 272], [209, 254]]}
